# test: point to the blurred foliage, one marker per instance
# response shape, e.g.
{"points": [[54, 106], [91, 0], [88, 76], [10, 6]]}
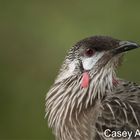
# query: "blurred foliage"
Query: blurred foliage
{"points": [[34, 37]]}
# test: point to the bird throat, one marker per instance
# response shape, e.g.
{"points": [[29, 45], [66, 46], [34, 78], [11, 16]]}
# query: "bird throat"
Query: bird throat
{"points": [[86, 80]]}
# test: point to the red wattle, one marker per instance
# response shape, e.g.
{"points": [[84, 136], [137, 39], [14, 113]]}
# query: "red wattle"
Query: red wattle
{"points": [[85, 80]]}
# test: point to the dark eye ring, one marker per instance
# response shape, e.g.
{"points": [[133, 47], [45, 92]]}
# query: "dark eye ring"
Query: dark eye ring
{"points": [[89, 52]]}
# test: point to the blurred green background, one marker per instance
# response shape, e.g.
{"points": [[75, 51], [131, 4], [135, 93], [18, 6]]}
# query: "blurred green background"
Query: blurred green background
{"points": [[34, 37]]}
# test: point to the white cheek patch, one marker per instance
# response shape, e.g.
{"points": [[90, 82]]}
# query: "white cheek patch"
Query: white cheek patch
{"points": [[89, 62]]}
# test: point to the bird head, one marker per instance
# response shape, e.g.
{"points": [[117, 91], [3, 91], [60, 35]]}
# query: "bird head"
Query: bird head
{"points": [[93, 57]]}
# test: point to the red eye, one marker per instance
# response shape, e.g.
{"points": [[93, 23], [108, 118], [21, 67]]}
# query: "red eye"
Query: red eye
{"points": [[89, 52]]}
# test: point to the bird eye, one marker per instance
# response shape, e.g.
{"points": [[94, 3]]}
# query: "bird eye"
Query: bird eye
{"points": [[89, 52]]}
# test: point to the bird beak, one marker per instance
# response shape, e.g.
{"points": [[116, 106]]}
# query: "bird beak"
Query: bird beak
{"points": [[124, 46]]}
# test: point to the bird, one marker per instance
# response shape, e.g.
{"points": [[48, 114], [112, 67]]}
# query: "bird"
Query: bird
{"points": [[87, 100]]}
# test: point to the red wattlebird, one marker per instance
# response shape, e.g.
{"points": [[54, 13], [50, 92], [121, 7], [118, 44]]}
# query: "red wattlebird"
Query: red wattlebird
{"points": [[87, 100]]}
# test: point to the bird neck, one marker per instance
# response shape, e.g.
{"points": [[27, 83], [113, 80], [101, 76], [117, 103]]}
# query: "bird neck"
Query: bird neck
{"points": [[68, 105]]}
